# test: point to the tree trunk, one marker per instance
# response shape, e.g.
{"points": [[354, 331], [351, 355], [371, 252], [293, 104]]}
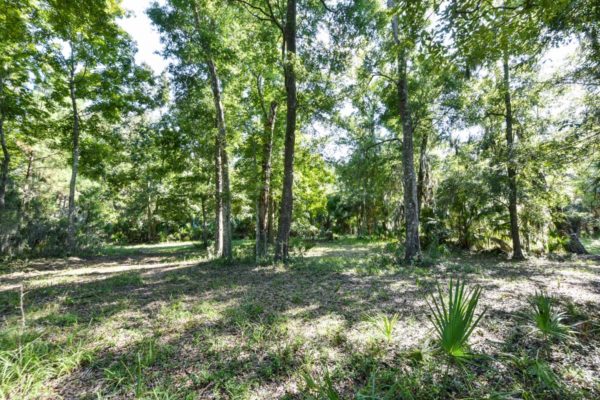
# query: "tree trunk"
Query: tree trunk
{"points": [[411, 211], [285, 215], [262, 240], [149, 233], [75, 163], [271, 212], [222, 192], [204, 232], [5, 164], [571, 228], [511, 170], [422, 171]]}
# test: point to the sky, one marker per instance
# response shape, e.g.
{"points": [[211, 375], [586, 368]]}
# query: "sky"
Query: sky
{"points": [[139, 26]]}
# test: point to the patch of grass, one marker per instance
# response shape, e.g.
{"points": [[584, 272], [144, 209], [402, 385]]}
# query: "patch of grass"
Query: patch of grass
{"points": [[225, 331], [28, 361], [60, 319], [591, 244], [131, 372]]}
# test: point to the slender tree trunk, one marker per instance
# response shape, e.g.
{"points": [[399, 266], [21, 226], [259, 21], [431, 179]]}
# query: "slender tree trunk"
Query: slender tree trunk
{"points": [[411, 211], [271, 213], [287, 200], [222, 166], [262, 240], [223, 193], [204, 232], [218, 202], [511, 166], [5, 164], [149, 220], [75, 162], [422, 171]]}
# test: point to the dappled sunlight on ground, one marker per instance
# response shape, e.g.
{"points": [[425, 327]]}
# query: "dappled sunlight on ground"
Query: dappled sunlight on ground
{"points": [[217, 329]]}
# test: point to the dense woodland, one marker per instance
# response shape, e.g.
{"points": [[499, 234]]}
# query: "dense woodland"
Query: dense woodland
{"points": [[430, 122], [316, 199]]}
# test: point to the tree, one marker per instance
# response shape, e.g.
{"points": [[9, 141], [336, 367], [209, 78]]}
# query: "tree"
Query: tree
{"points": [[414, 14], [17, 61], [197, 35], [94, 68], [486, 33]]}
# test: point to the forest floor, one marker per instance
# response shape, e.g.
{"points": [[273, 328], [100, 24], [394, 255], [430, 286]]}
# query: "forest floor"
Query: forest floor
{"points": [[162, 322]]}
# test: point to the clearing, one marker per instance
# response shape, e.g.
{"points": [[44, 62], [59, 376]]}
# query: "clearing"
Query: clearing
{"points": [[162, 322]]}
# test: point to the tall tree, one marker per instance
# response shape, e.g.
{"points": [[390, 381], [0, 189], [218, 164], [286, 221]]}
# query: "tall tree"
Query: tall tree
{"points": [[488, 33], [200, 36], [16, 64], [223, 192], [94, 67], [413, 23], [268, 114]]}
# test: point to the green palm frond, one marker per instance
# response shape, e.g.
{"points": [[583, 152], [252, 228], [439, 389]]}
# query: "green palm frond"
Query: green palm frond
{"points": [[454, 319]]}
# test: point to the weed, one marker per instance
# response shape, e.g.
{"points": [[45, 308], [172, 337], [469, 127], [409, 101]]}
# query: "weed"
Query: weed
{"points": [[385, 325]]}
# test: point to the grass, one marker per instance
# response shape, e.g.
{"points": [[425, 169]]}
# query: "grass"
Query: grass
{"points": [[162, 322], [591, 244]]}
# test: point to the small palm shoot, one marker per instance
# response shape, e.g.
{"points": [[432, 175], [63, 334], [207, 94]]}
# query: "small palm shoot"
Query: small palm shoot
{"points": [[545, 319], [454, 319], [386, 326]]}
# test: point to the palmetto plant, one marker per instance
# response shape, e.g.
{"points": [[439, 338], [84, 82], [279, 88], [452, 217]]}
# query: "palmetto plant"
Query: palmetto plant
{"points": [[545, 319], [386, 326], [454, 318]]}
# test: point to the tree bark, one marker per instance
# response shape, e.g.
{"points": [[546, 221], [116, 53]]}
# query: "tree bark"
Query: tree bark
{"points": [[75, 162], [411, 211], [262, 239], [271, 220], [5, 164], [204, 232], [422, 171], [511, 169], [285, 215]]}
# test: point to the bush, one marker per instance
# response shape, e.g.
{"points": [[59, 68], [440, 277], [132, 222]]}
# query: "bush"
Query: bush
{"points": [[454, 319], [544, 319]]}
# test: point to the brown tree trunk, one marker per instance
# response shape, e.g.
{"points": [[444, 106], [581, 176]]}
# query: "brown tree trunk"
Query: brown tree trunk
{"points": [[422, 171], [511, 168], [271, 213], [75, 162], [204, 232], [285, 215], [222, 192], [5, 164], [149, 218], [262, 240], [411, 211], [223, 239]]}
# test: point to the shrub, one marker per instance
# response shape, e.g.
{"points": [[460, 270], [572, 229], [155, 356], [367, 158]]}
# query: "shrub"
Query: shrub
{"points": [[454, 319], [544, 319]]}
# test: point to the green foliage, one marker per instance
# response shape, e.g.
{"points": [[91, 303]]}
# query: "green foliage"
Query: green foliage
{"points": [[320, 389], [27, 363], [454, 318], [545, 319], [385, 325]]}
